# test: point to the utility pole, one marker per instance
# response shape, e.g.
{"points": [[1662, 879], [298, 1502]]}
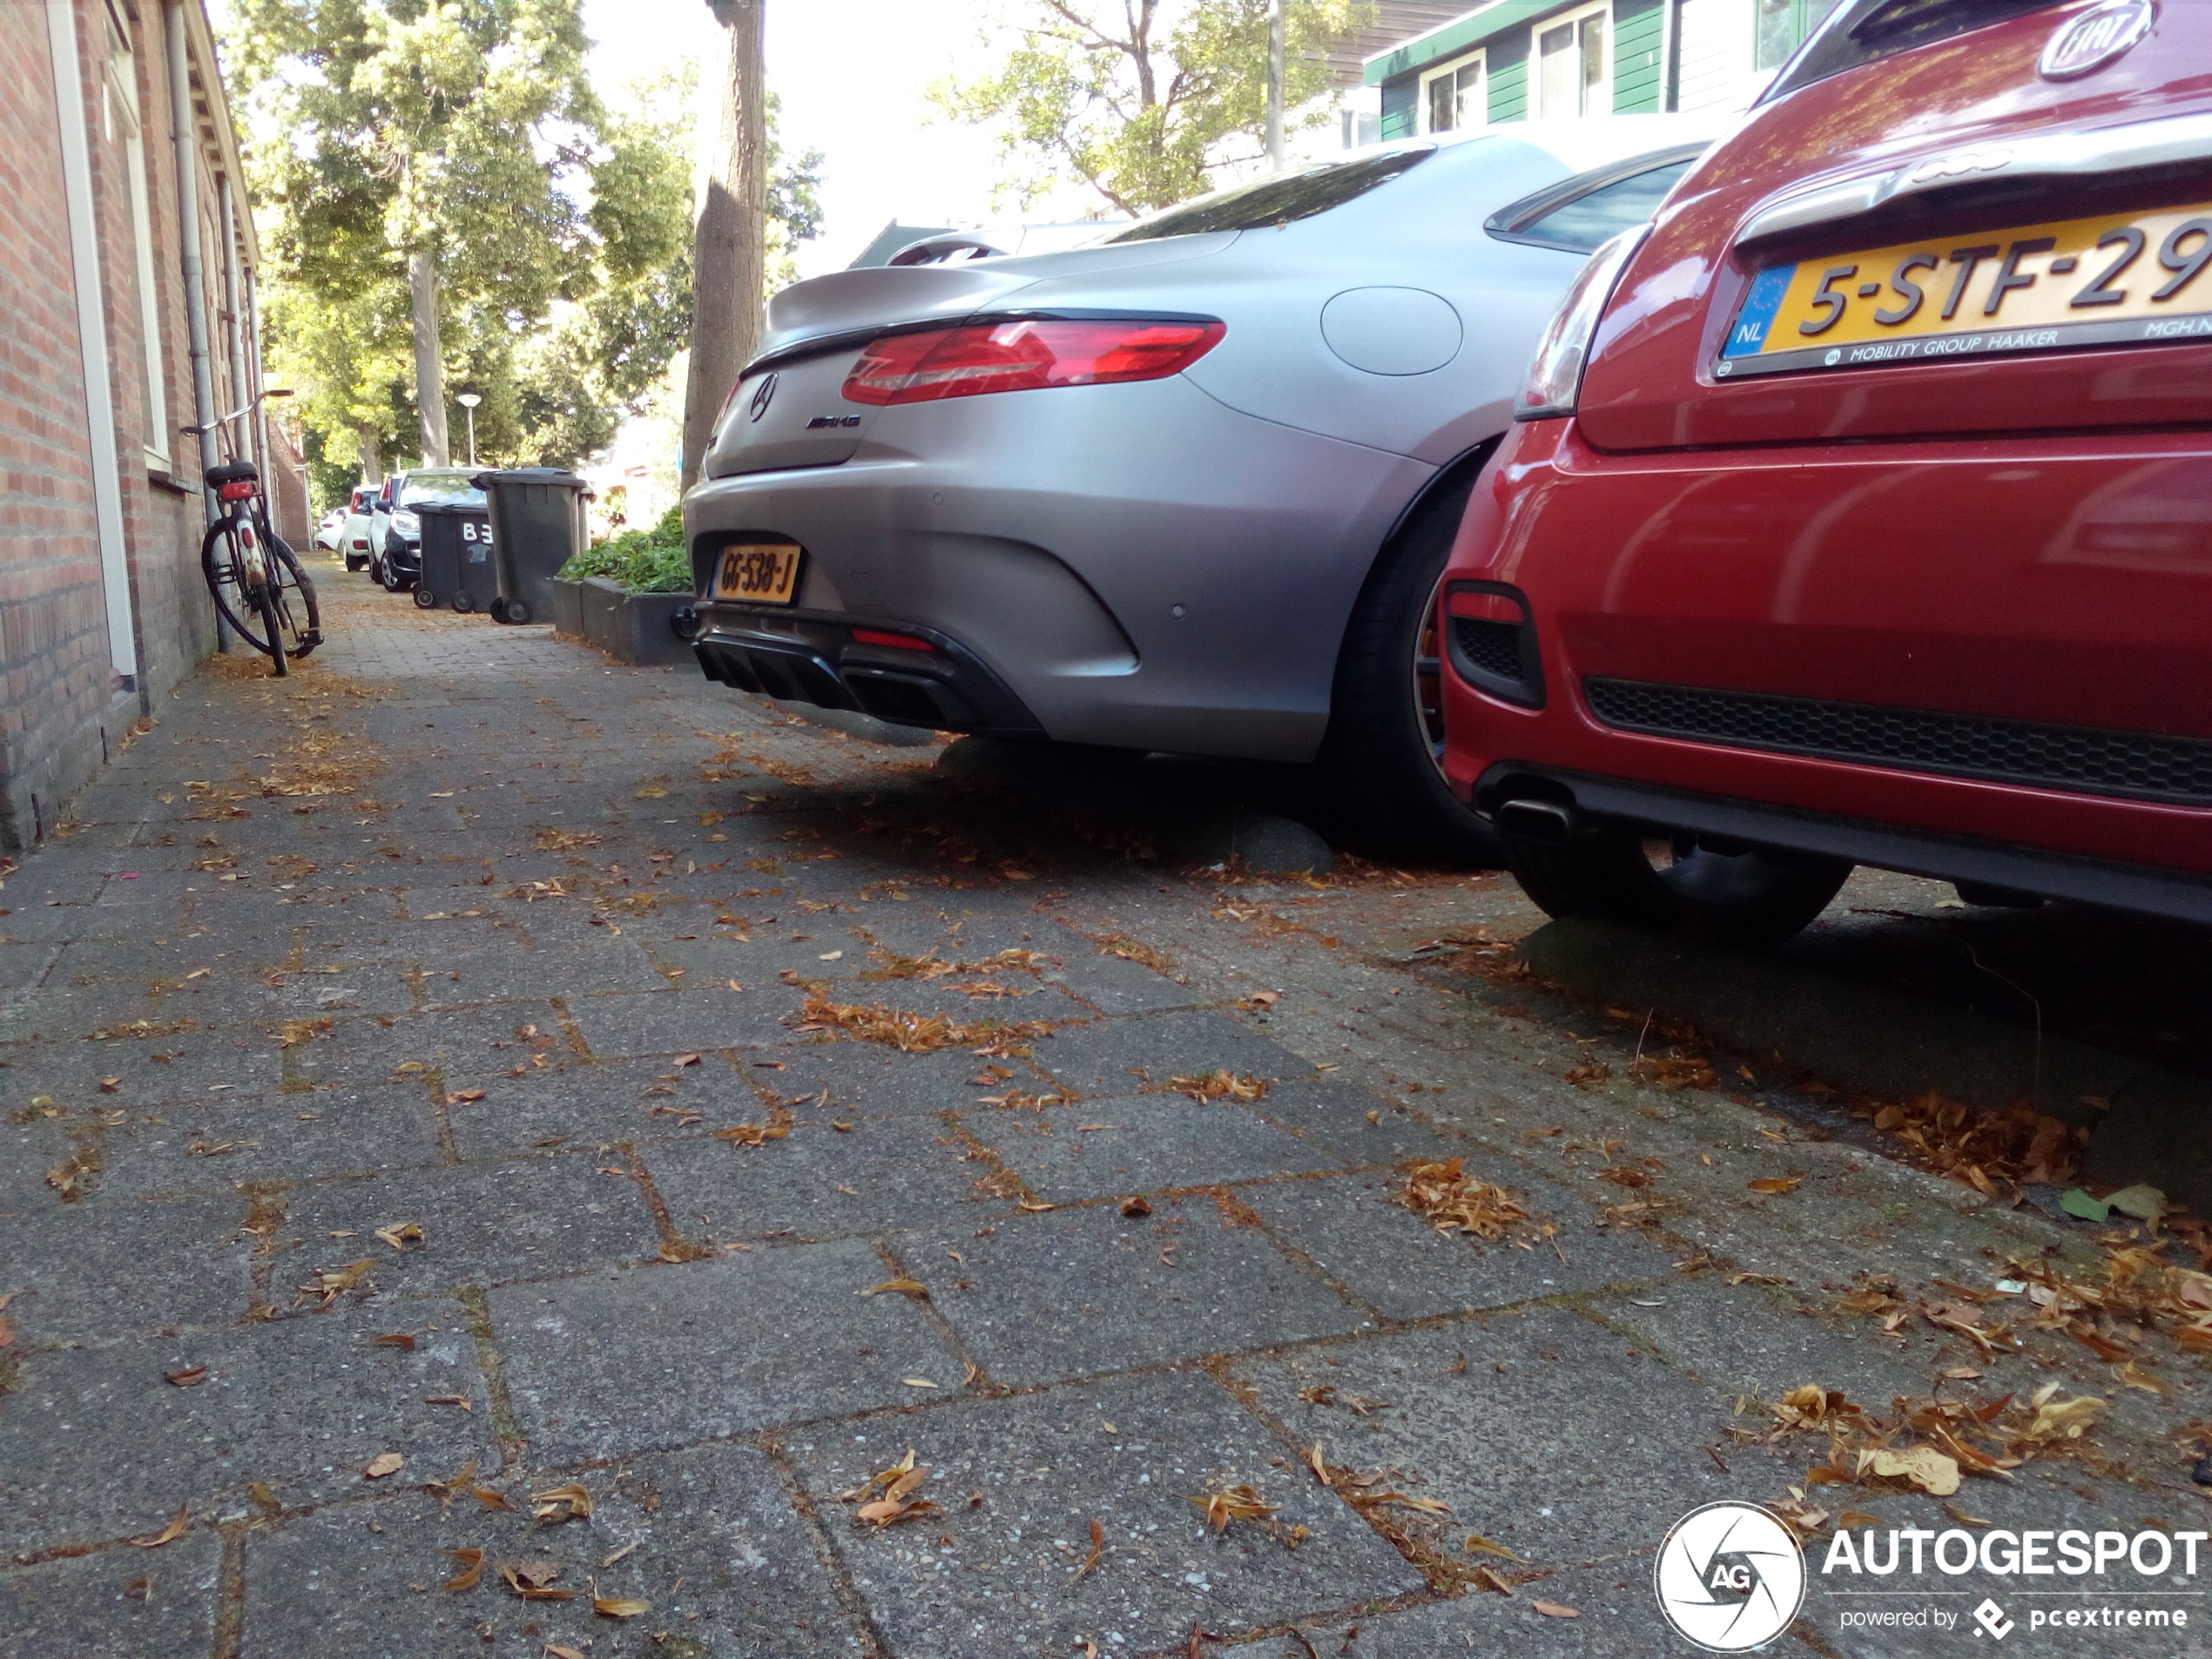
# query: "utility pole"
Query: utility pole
{"points": [[1274, 85], [729, 236]]}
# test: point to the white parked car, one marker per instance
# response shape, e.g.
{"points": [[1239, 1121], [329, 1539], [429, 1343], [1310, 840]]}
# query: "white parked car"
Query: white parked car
{"points": [[353, 537]]}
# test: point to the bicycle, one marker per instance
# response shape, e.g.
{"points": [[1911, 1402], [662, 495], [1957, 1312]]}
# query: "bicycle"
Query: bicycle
{"points": [[245, 561]]}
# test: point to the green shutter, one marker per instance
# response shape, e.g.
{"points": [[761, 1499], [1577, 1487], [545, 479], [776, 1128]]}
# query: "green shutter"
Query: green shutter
{"points": [[1508, 64], [1398, 100], [1638, 34]]}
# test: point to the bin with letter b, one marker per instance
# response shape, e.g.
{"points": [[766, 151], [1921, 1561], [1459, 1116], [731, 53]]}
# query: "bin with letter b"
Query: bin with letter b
{"points": [[538, 525], [458, 567]]}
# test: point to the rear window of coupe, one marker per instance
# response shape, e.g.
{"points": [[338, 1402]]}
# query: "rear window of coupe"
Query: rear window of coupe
{"points": [[1582, 214], [1589, 222], [1279, 200]]}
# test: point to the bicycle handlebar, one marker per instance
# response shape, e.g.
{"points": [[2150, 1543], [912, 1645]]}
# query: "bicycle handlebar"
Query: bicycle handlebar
{"points": [[237, 413]]}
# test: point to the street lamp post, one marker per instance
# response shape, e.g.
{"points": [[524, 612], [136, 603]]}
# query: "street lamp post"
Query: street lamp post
{"points": [[469, 401]]}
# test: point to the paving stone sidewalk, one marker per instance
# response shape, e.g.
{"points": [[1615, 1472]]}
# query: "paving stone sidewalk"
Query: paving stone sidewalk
{"points": [[434, 1064]]}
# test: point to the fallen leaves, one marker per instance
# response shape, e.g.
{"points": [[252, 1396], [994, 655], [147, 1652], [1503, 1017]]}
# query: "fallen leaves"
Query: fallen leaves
{"points": [[1674, 1071], [401, 1234], [532, 1578], [1097, 1550], [184, 1376], [1923, 1466], [897, 1485], [1979, 1149], [74, 1178], [472, 1570], [1451, 1201], [1224, 1504], [2064, 1419], [1775, 1183], [618, 1606], [913, 1287], [168, 1535], [384, 1464], [558, 1504], [1556, 1610], [752, 1134], [1218, 1085], [907, 1032], [332, 1283]]}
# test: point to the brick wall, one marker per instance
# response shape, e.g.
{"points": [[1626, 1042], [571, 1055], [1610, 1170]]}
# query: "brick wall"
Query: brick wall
{"points": [[55, 673], [63, 703]]}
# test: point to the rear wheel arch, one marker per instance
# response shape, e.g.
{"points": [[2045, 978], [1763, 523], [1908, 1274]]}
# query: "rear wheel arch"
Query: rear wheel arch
{"points": [[1377, 740]]}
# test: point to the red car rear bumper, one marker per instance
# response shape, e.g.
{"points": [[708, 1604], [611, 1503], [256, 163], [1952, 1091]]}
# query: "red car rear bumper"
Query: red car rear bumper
{"points": [[2003, 645]]}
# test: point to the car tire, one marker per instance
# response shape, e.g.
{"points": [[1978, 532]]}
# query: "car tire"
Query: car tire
{"points": [[356, 565], [388, 577], [1384, 751], [1732, 892]]}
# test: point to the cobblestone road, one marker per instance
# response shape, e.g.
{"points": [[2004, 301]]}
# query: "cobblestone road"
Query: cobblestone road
{"points": [[492, 1130]]}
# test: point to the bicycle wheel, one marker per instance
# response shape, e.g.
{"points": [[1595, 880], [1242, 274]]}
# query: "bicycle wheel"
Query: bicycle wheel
{"points": [[222, 558], [268, 598], [284, 564]]}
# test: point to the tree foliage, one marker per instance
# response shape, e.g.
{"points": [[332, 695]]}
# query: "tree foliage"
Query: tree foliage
{"points": [[561, 228], [1137, 105]]}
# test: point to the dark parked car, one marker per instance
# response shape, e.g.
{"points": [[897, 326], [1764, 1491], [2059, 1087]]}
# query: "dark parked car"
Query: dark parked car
{"points": [[395, 533], [1860, 510]]}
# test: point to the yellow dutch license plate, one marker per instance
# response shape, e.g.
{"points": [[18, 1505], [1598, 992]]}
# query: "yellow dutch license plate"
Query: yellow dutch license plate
{"points": [[759, 573], [2110, 281]]}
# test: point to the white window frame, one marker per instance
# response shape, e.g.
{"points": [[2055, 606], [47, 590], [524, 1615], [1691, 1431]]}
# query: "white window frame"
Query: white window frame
{"points": [[120, 120], [1479, 59], [1603, 90]]}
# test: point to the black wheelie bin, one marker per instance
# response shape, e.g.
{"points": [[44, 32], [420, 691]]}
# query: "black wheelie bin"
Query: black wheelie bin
{"points": [[458, 568], [538, 525]]}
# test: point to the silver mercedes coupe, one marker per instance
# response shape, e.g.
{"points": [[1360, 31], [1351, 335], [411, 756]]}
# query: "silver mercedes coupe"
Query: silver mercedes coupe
{"points": [[1189, 488]]}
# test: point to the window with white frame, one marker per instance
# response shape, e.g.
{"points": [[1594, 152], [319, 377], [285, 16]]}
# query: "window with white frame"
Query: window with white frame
{"points": [[1574, 65], [1451, 97], [119, 127]]}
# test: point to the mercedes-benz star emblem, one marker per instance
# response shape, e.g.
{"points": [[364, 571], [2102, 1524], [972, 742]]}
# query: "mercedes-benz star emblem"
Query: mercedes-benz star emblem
{"points": [[762, 395], [1730, 1577]]}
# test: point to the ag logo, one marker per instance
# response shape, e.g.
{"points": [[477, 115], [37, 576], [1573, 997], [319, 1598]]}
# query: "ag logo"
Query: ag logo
{"points": [[762, 395], [2089, 40], [1730, 1577]]}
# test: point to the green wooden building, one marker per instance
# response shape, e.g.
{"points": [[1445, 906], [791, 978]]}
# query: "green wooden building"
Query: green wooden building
{"points": [[1515, 60]]}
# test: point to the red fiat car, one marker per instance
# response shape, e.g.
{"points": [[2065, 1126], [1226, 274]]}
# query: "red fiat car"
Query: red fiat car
{"points": [[1860, 510]]}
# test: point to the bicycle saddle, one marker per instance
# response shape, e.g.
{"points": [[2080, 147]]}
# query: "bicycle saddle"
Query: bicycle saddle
{"points": [[233, 472]]}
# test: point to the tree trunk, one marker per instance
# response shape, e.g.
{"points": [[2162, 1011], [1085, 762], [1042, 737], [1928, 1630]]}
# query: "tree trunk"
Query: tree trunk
{"points": [[730, 239], [372, 454], [430, 369]]}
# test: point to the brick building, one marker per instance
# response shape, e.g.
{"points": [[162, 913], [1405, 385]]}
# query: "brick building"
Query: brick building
{"points": [[130, 286]]}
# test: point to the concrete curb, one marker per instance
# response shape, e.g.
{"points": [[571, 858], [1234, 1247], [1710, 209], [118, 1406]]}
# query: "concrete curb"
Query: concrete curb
{"points": [[1864, 1038]]}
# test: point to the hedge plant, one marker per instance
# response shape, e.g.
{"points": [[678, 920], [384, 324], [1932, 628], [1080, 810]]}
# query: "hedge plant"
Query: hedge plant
{"points": [[643, 560]]}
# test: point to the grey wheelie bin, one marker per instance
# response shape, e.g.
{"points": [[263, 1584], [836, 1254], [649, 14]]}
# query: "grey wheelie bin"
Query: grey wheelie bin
{"points": [[538, 524], [458, 568]]}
